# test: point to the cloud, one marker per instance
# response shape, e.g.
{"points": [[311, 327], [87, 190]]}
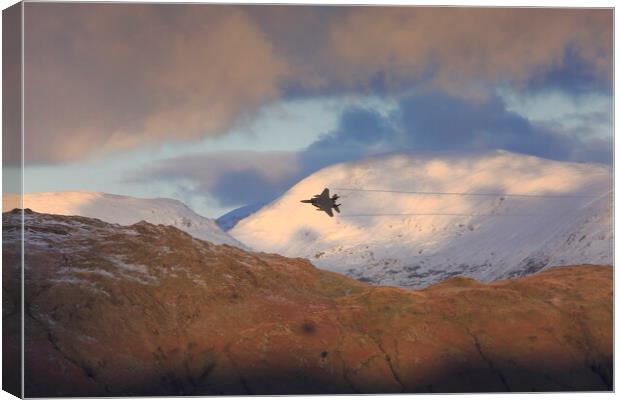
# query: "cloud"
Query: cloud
{"points": [[11, 91], [575, 76], [425, 122], [232, 178], [360, 131], [587, 119], [433, 121], [102, 78], [456, 49], [437, 121]]}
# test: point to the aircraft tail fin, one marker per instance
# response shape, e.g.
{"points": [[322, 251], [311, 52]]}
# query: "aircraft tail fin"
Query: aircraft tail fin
{"points": [[336, 207]]}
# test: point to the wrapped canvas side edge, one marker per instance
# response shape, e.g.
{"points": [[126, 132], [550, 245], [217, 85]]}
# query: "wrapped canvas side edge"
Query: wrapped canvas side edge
{"points": [[12, 194]]}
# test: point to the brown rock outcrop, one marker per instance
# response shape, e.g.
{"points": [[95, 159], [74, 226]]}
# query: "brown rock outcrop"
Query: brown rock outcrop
{"points": [[149, 310]]}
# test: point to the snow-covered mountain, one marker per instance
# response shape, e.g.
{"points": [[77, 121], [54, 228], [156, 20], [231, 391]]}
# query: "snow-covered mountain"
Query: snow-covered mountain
{"points": [[230, 219], [124, 210], [563, 216]]}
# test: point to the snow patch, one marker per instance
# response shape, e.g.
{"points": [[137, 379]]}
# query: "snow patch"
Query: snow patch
{"points": [[124, 210], [381, 237]]}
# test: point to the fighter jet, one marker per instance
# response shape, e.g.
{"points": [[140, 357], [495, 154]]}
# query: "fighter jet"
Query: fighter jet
{"points": [[323, 202]]}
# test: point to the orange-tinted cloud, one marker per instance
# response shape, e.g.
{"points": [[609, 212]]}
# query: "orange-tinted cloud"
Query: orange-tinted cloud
{"points": [[464, 47], [103, 77], [109, 77]]}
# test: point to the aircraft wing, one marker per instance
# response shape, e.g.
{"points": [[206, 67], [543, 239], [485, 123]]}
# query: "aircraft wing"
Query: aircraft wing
{"points": [[329, 211], [325, 193]]}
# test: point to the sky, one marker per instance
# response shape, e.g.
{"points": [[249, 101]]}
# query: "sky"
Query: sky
{"points": [[222, 106]]}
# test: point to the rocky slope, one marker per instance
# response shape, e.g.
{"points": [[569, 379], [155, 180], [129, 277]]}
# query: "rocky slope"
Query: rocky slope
{"points": [[124, 210], [150, 310], [562, 216]]}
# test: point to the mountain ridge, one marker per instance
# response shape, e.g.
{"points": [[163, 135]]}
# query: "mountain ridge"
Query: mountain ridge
{"points": [[148, 309], [388, 236], [125, 210]]}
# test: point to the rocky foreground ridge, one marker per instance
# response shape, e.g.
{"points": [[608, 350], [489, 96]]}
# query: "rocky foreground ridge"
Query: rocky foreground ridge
{"points": [[150, 310]]}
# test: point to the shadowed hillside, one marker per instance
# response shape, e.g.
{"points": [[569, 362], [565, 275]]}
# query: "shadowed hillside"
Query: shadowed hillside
{"points": [[150, 310]]}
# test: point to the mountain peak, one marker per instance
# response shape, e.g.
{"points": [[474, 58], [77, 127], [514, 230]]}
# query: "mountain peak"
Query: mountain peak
{"points": [[415, 219], [124, 210]]}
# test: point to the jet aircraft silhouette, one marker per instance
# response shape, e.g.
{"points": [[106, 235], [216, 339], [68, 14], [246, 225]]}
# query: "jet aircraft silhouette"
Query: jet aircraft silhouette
{"points": [[323, 202]]}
